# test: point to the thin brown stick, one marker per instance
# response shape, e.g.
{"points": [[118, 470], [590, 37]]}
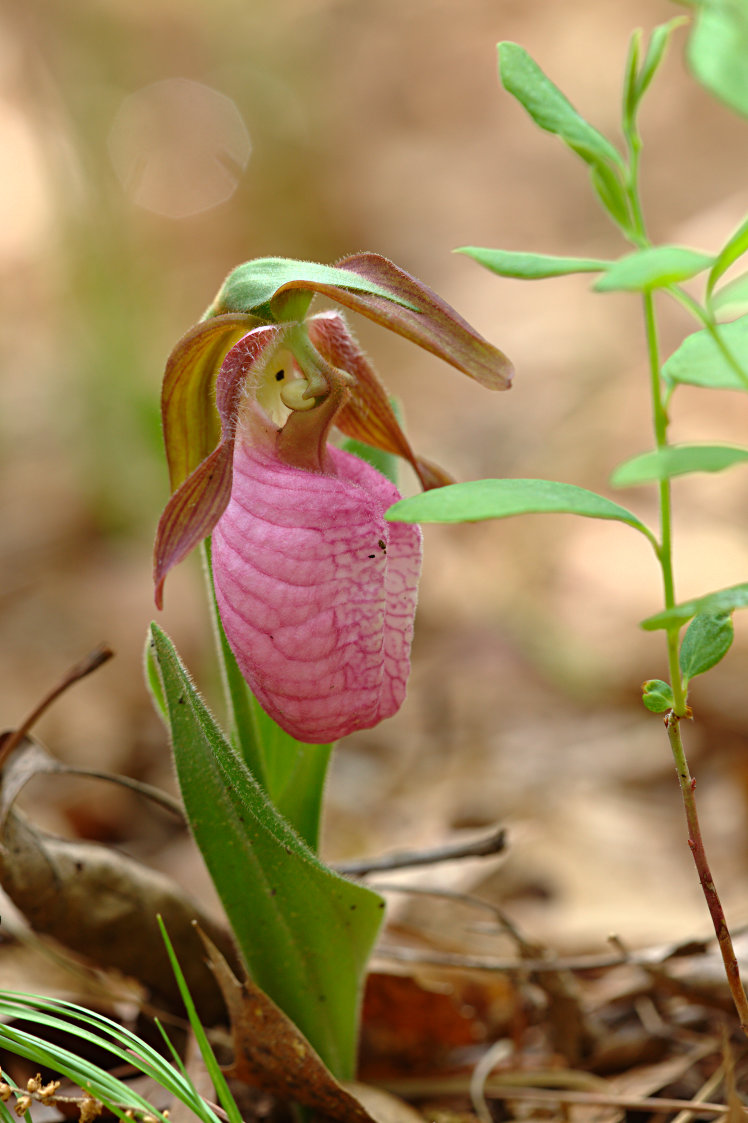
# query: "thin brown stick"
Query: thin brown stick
{"points": [[455, 1085], [493, 843], [696, 843], [85, 666]]}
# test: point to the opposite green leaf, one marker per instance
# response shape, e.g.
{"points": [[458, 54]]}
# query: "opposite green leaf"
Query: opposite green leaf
{"points": [[717, 359], [718, 50], [532, 266], [652, 268], [725, 600], [707, 640], [304, 932], [499, 499], [550, 109], [676, 460]]}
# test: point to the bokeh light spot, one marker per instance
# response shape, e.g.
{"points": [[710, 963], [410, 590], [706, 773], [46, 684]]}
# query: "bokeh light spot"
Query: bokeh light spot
{"points": [[179, 147]]}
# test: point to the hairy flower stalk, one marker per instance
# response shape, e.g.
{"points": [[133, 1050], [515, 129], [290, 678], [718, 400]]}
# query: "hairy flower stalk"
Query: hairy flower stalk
{"points": [[315, 589]]}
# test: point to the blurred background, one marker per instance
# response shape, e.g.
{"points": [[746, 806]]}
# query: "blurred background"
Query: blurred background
{"points": [[147, 148]]}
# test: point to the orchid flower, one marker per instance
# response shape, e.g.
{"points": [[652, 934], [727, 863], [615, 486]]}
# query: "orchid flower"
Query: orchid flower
{"points": [[315, 589]]}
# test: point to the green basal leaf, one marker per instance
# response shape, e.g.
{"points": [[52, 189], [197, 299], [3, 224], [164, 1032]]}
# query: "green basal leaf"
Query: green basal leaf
{"points": [[734, 248], [384, 462], [304, 932], [500, 499], [653, 268], [153, 681], [725, 600], [676, 460], [657, 696], [732, 298], [296, 773], [251, 286], [717, 359], [550, 109], [532, 266], [707, 641], [718, 50]]}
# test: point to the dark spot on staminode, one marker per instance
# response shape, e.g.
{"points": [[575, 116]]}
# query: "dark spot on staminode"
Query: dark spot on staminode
{"points": [[382, 545], [371, 555], [280, 375]]}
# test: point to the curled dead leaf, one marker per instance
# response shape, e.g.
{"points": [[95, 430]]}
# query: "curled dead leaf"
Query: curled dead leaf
{"points": [[272, 1054], [102, 905]]}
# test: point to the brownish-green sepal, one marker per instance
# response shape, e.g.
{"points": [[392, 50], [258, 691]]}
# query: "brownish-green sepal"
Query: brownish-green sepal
{"points": [[367, 415], [379, 290], [426, 319], [190, 421], [200, 500]]}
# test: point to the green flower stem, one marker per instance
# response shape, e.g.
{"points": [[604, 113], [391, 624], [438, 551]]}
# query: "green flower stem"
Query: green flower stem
{"points": [[687, 786]]}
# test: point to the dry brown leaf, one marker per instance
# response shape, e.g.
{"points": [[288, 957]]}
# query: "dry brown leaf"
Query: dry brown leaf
{"points": [[272, 1054], [103, 905]]}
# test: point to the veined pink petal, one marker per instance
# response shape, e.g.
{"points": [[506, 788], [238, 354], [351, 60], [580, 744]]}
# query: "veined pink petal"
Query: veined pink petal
{"points": [[317, 592]]}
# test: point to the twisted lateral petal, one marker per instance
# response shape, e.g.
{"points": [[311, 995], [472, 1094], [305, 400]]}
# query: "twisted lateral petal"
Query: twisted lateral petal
{"points": [[317, 592]]}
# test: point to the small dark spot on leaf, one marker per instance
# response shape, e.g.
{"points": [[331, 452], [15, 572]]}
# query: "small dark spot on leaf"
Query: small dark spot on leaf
{"points": [[180, 699], [381, 905], [273, 892], [288, 849], [353, 907]]}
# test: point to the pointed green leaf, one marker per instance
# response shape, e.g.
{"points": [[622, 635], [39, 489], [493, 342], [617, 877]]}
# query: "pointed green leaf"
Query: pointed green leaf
{"points": [[734, 248], [657, 696], [550, 109], [499, 499], [630, 78], [725, 600], [532, 266], [716, 358], [732, 298], [658, 43], [676, 460], [718, 50], [304, 932], [652, 268], [707, 640]]}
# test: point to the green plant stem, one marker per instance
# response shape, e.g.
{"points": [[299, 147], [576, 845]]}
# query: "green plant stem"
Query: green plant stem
{"points": [[665, 549], [695, 842]]}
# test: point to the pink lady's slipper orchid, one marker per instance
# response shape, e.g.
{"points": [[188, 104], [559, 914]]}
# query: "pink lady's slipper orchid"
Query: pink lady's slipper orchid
{"points": [[315, 589]]}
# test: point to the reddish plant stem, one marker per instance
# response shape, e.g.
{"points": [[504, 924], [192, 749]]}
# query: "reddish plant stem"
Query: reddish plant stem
{"points": [[696, 843]]}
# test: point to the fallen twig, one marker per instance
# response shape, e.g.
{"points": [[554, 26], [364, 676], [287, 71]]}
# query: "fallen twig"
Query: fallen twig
{"points": [[479, 848]]}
